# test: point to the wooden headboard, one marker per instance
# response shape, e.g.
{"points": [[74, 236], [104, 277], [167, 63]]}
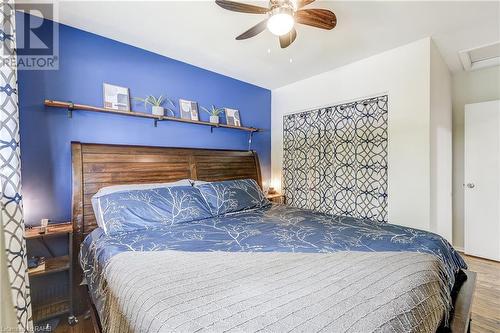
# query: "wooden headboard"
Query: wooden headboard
{"points": [[98, 165]]}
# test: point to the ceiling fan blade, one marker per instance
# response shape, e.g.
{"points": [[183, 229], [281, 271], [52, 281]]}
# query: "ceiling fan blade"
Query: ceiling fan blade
{"points": [[319, 18], [288, 38], [253, 31], [241, 7], [303, 3]]}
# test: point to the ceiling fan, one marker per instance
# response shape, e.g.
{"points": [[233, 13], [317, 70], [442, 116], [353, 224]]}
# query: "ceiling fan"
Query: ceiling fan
{"points": [[282, 16]]}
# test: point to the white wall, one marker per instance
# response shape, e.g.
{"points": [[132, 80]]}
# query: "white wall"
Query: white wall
{"points": [[468, 87], [440, 146], [402, 73]]}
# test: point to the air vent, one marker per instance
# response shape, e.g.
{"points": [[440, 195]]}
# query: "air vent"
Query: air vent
{"points": [[481, 57]]}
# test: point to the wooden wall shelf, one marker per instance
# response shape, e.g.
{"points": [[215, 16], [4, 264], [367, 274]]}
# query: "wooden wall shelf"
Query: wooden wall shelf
{"points": [[81, 107]]}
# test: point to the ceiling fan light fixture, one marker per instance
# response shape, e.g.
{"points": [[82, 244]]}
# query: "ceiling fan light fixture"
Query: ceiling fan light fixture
{"points": [[280, 21], [281, 18]]}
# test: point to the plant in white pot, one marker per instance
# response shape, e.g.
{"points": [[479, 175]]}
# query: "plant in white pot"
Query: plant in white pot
{"points": [[157, 103], [214, 113]]}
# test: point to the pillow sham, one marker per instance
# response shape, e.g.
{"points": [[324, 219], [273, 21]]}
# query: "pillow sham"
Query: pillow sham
{"points": [[148, 208], [232, 196], [197, 182], [127, 187]]}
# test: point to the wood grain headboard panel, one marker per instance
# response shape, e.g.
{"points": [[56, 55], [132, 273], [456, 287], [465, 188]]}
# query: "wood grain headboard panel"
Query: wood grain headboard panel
{"points": [[95, 166]]}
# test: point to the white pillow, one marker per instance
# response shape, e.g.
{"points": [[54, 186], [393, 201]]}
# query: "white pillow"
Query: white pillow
{"points": [[96, 205], [198, 182]]}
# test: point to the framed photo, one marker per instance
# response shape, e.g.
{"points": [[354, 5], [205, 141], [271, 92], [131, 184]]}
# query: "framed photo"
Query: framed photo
{"points": [[232, 117], [188, 109], [116, 97]]}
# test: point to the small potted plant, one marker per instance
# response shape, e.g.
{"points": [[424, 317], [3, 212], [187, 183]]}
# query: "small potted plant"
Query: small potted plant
{"points": [[214, 113], [157, 104]]}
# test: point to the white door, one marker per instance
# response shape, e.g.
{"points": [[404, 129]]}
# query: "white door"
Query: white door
{"points": [[482, 180]]}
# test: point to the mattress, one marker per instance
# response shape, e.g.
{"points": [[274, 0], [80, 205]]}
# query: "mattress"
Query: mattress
{"points": [[277, 229]]}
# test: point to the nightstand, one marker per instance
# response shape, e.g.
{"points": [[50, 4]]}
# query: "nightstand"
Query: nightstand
{"points": [[52, 299], [276, 197]]}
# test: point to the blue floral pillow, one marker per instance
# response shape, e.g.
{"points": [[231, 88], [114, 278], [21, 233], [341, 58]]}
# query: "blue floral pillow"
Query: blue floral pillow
{"points": [[232, 196], [144, 209]]}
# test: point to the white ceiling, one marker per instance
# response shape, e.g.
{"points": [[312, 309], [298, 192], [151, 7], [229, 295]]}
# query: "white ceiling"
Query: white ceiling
{"points": [[202, 34]]}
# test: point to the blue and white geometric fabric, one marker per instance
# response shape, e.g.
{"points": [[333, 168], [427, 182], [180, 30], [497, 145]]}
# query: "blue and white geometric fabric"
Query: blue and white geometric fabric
{"points": [[335, 159], [10, 172]]}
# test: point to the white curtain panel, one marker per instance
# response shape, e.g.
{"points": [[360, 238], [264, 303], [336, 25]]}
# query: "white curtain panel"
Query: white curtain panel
{"points": [[10, 173]]}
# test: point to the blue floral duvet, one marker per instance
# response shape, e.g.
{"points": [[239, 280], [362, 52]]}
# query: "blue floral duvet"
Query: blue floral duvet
{"points": [[277, 228]]}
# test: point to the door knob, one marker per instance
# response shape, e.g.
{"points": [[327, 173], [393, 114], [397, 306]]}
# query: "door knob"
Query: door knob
{"points": [[471, 185]]}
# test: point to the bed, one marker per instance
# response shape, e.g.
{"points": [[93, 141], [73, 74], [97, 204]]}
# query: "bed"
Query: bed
{"points": [[259, 269]]}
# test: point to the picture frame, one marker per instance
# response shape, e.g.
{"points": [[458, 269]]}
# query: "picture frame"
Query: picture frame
{"points": [[232, 117], [116, 97], [188, 110]]}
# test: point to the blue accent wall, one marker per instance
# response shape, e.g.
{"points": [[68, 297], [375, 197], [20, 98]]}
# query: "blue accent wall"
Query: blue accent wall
{"points": [[86, 61]]}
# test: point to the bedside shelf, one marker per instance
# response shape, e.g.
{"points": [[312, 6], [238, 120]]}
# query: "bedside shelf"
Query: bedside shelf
{"points": [[53, 297], [52, 230], [53, 265], [52, 309], [276, 197]]}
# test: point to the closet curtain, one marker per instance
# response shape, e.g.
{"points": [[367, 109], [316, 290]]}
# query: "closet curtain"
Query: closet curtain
{"points": [[10, 174], [335, 159]]}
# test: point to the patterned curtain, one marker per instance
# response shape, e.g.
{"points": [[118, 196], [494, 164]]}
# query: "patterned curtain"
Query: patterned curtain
{"points": [[10, 172], [335, 159]]}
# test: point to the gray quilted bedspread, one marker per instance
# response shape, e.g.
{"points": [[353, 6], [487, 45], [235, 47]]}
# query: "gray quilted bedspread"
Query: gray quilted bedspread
{"points": [[174, 291]]}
